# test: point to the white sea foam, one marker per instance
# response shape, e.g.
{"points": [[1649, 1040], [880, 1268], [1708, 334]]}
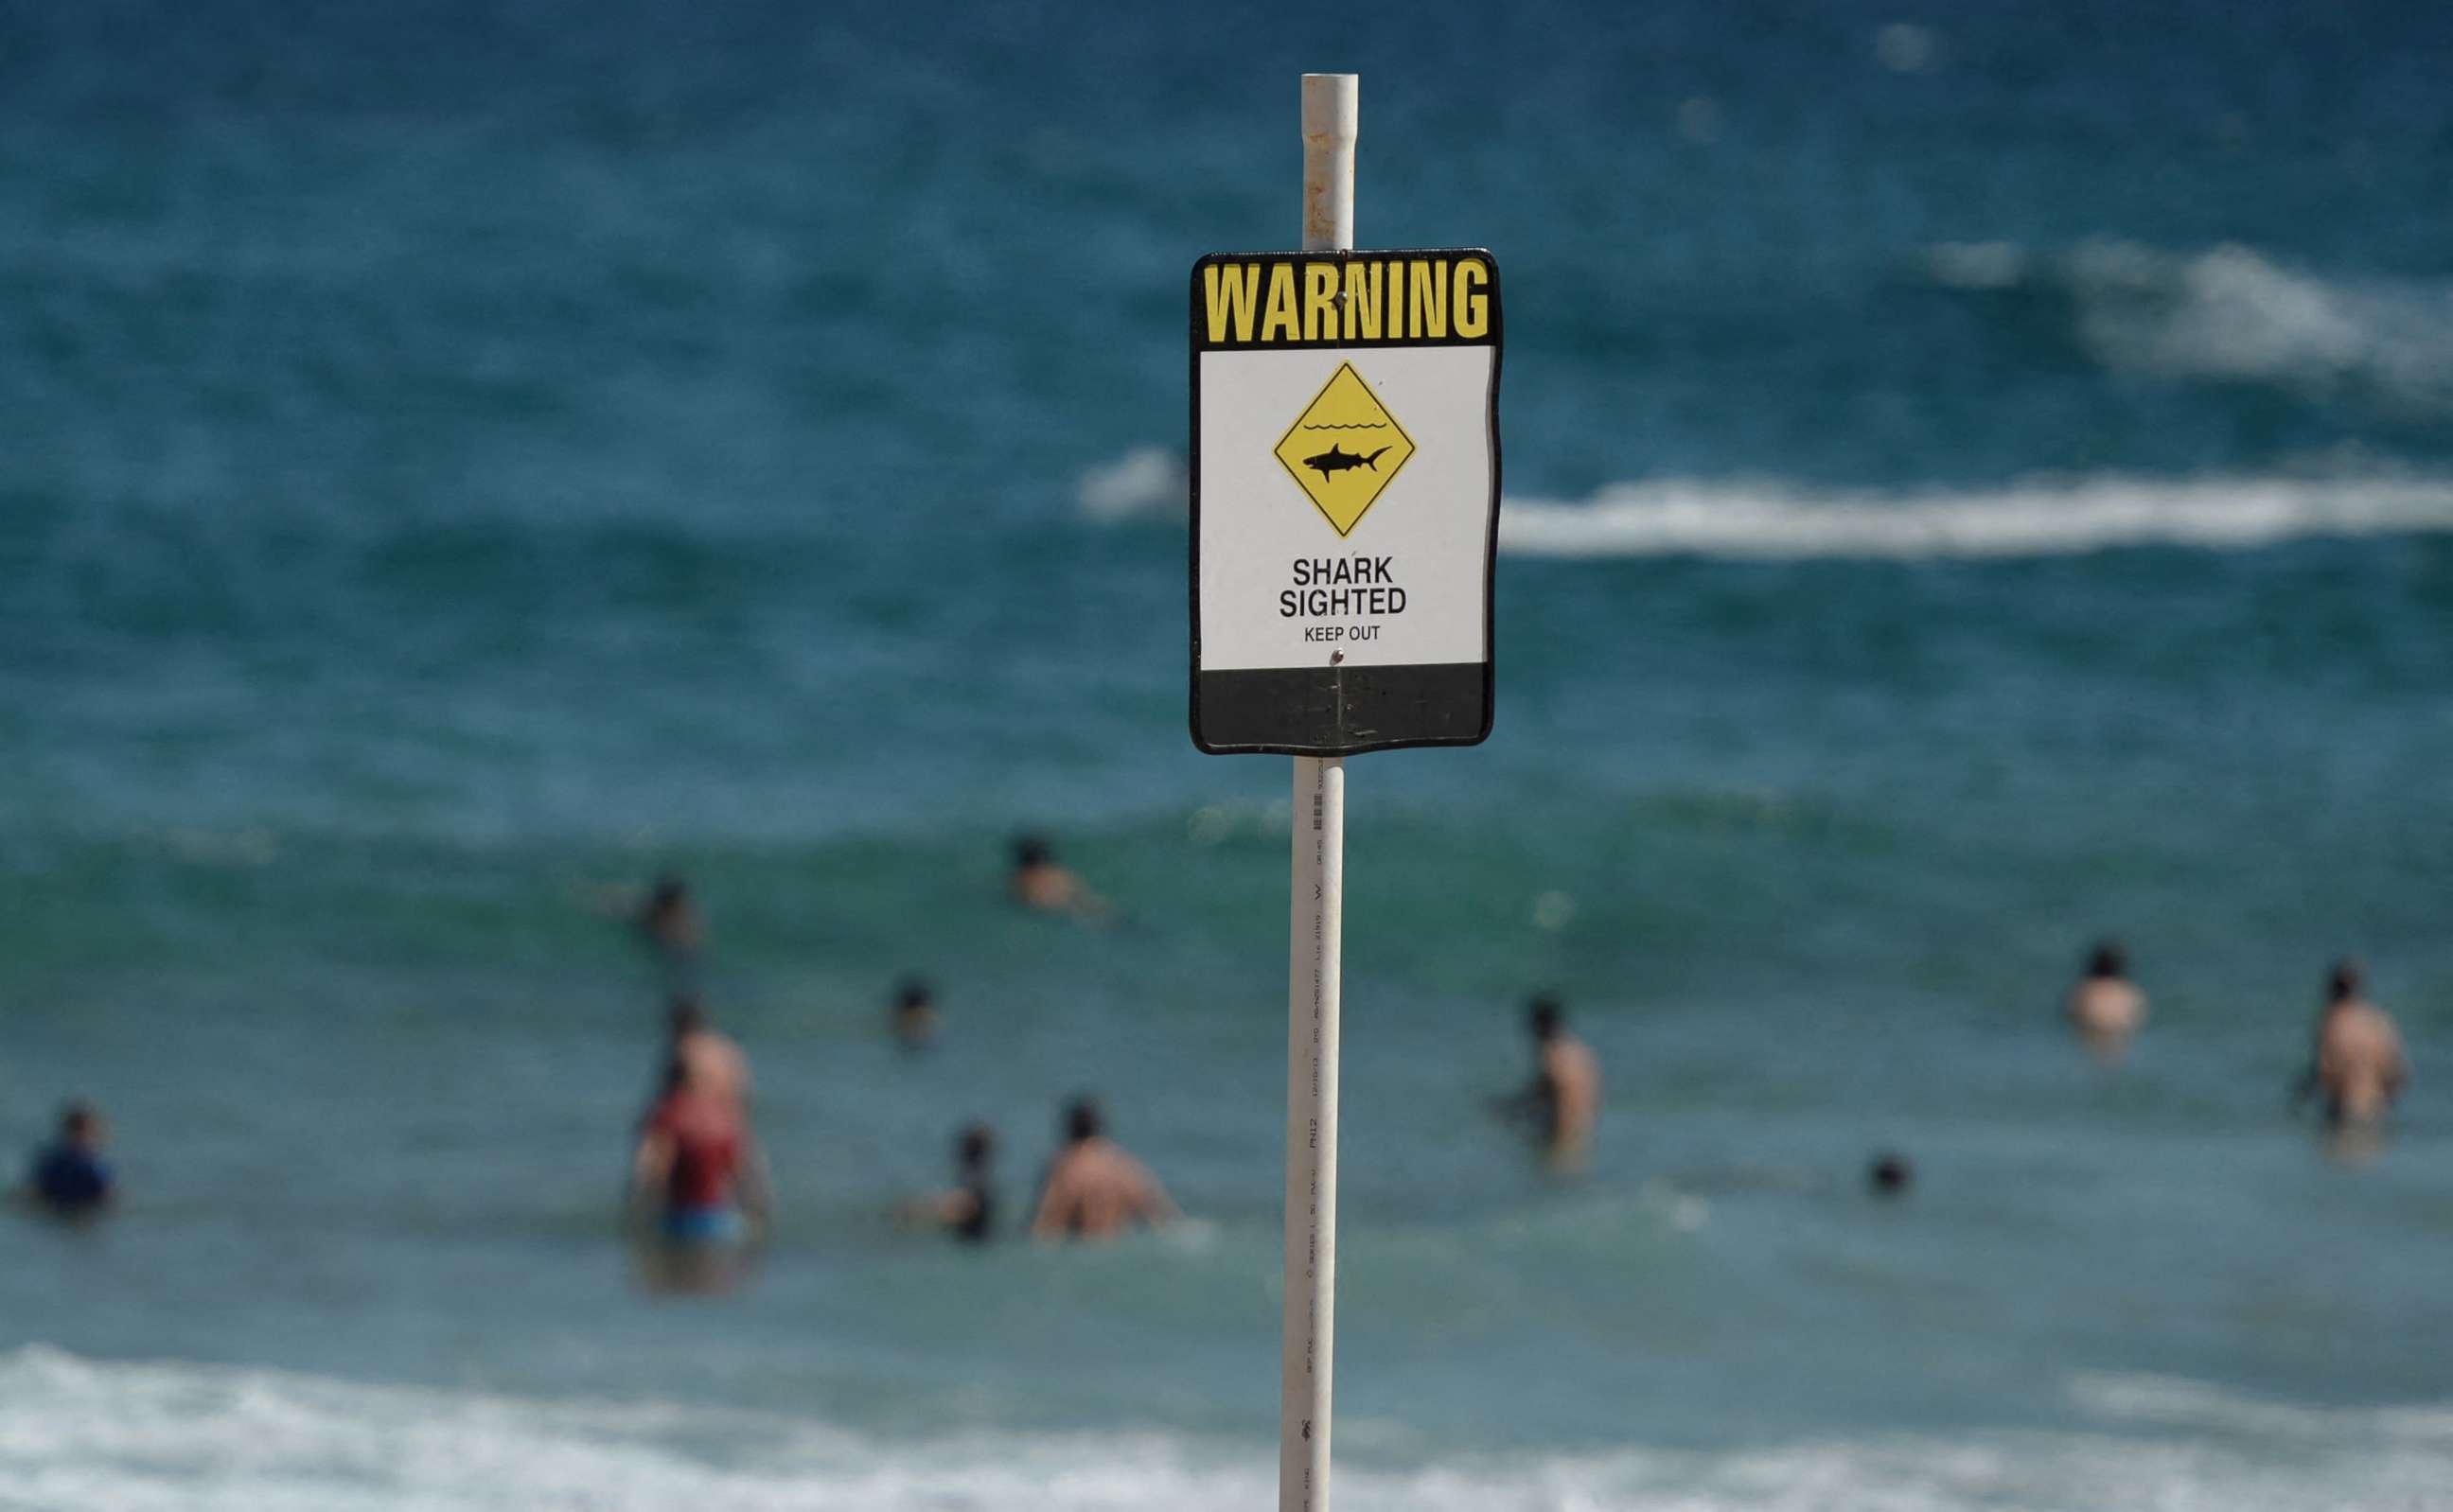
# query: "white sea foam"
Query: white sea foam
{"points": [[2038, 518], [1772, 518], [2170, 1402], [2231, 313], [1145, 482], [149, 1438]]}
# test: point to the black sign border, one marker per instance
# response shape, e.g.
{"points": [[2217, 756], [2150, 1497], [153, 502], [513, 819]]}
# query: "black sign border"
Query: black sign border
{"points": [[1497, 342]]}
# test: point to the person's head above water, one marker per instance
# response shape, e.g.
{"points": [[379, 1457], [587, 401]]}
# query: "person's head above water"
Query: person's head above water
{"points": [[1083, 1120], [2108, 960], [1890, 1175], [2345, 982], [687, 1014], [1545, 1016], [913, 1014], [80, 1124], [1031, 851], [975, 1147], [670, 919]]}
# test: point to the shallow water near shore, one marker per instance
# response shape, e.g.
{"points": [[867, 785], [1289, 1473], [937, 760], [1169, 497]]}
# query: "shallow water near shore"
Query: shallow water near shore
{"points": [[1974, 483]]}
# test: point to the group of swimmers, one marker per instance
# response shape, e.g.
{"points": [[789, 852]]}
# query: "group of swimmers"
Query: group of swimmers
{"points": [[699, 1175], [698, 1172], [2356, 1061]]}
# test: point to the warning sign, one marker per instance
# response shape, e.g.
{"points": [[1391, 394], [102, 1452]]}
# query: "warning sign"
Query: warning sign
{"points": [[1345, 499], [1344, 448]]}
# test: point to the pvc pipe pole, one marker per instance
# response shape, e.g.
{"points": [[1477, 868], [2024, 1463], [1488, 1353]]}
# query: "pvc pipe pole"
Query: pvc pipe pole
{"points": [[1307, 1352], [1328, 117]]}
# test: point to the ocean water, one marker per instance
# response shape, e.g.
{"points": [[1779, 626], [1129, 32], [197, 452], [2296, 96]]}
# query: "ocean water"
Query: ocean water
{"points": [[1976, 479]]}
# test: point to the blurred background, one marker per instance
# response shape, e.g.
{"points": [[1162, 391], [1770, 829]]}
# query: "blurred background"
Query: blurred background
{"points": [[1978, 479]]}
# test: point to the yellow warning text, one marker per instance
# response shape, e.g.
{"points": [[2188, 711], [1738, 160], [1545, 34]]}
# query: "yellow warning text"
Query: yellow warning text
{"points": [[1351, 300]]}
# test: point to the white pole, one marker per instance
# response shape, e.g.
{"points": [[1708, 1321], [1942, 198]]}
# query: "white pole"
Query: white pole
{"points": [[1307, 1353]]}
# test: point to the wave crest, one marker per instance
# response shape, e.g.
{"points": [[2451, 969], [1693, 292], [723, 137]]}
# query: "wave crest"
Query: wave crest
{"points": [[135, 1438], [2040, 518], [1774, 519], [2230, 313]]}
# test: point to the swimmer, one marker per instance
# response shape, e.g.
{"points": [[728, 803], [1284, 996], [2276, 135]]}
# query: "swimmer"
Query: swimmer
{"points": [[1093, 1189], [968, 1210], [914, 1018], [1043, 885], [715, 1065], [1890, 1175], [697, 1171], [70, 1178], [1564, 1100], [669, 920], [2105, 1008], [665, 919], [2358, 1060]]}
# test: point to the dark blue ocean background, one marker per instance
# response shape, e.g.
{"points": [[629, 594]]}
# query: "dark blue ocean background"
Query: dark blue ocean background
{"points": [[1979, 477]]}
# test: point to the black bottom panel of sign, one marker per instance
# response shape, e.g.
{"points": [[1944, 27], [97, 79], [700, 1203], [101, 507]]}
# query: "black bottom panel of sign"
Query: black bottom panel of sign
{"points": [[1340, 711]]}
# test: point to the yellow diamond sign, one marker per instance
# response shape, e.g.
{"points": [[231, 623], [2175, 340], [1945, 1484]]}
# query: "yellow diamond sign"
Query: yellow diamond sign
{"points": [[1344, 448]]}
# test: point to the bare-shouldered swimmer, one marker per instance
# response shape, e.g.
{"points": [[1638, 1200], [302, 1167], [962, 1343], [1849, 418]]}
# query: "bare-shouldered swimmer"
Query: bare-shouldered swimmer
{"points": [[1564, 1100], [2358, 1060], [714, 1062], [2105, 1008], [1095, 1190], [1044, 884]]}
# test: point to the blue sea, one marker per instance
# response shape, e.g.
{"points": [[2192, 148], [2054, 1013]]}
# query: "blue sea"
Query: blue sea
{"points": [[1979, 478]]}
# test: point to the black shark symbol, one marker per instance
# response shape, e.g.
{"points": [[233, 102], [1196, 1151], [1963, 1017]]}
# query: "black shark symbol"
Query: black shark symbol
{"points": [[1337, 459]]}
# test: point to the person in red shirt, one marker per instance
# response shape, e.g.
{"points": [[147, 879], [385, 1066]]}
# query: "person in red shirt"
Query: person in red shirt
{"points": [[698, 1168]]}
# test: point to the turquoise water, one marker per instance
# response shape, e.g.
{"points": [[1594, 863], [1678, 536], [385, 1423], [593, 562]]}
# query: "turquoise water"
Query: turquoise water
{"points": [[1975, 482]]}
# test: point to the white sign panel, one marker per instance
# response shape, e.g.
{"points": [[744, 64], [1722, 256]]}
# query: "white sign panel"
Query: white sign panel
{"points": [[1346, 499]]}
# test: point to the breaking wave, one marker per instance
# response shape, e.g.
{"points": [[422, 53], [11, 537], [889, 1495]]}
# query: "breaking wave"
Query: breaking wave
{"points": [[2232, 314], [151, 1438], [2038, 518], [1772, 519]]}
